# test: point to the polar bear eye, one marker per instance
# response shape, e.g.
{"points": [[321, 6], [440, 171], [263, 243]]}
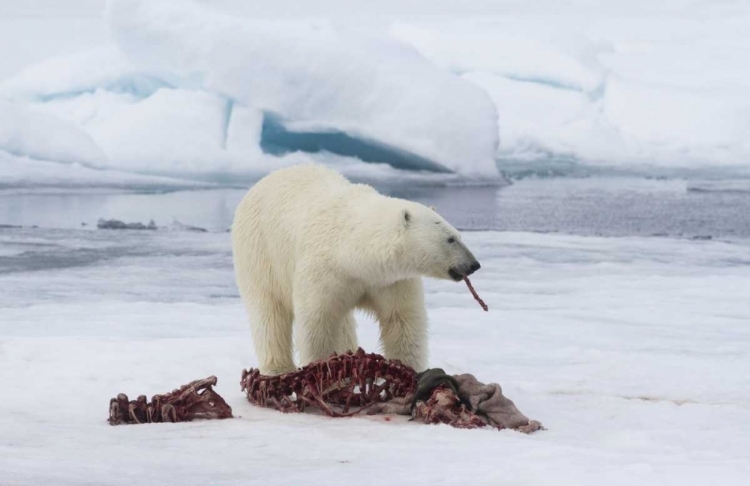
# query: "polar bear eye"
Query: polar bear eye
{"points": [[451, 240]]}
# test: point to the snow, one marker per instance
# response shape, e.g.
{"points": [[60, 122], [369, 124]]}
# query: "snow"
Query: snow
{"points": [[630, 350]]}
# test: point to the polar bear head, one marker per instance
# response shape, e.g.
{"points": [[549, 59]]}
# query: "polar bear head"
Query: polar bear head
{"points": [[431, 246]]}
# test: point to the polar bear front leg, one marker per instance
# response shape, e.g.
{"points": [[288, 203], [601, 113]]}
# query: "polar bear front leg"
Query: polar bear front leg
{"points": [[347, 340], [403, 322], [271, 323], [323, 316]]}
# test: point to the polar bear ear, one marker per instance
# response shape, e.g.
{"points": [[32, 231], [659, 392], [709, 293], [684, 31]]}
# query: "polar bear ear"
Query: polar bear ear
{"points": [[407, 217], [433, 208]]}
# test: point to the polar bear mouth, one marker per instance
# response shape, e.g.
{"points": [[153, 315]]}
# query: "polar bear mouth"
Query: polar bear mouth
{"points": [[455, 275], [459, 274]]}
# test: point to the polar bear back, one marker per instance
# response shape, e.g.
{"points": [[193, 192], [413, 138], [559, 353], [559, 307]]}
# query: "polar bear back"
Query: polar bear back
{"points": [[289, 215]]}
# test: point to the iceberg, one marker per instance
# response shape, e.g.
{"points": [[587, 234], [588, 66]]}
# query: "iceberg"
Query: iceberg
{"points": [[611, 91], [67, 76], [24, 173], [172, 131], [521, 51], [188, 92], [476, 93], [43, 136], [376, 94]]}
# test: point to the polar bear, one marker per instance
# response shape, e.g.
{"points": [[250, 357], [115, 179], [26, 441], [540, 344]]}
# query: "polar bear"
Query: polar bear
{"points": [[310, 247]]}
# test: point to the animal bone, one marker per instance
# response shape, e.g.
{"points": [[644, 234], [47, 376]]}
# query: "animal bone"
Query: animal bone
{"points": [[196, 400], [351, 383]]}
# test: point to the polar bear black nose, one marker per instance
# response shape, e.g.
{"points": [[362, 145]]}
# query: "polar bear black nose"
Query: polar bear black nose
{"points": [[474, 267]]}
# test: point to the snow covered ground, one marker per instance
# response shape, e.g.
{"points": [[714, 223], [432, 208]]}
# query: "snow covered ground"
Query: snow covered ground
{"points": [[632, 351]]}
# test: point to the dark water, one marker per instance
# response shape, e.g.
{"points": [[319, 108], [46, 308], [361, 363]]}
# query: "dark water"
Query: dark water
{"points": [[607, 207], [597, 206]]}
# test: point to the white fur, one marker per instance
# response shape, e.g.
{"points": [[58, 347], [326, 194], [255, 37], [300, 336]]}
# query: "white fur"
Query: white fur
{"points": [[310, 247]]}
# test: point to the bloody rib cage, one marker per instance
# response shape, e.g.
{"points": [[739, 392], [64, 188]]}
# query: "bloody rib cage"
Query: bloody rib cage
{"points": [[342, 385]]}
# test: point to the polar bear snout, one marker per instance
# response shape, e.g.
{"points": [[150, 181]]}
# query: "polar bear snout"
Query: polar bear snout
{"points": [[463, 263], [458, 273]]}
